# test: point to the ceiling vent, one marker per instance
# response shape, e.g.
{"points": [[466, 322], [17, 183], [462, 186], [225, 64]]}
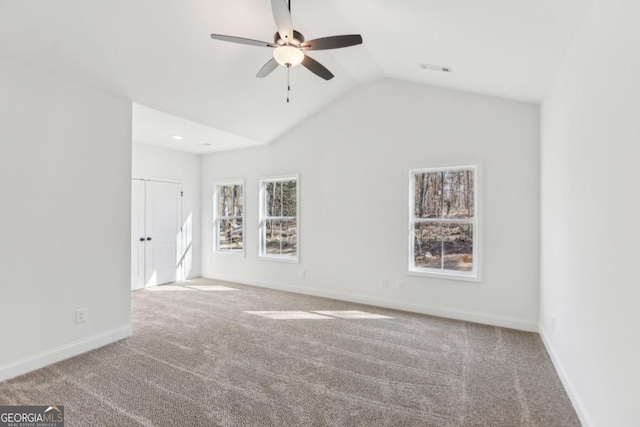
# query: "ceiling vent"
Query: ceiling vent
{"points": [[440, 68]]}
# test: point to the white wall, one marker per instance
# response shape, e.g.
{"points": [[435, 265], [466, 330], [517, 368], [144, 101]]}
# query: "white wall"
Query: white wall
{"points": [[150, 162], [590, 293], [65, 169], [353, 159]]}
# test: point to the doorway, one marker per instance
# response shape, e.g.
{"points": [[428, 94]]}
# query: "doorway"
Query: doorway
{"points": [[156, 218]]}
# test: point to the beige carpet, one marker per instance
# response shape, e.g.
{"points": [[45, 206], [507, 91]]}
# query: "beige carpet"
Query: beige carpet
{"points": [[197, 358]]}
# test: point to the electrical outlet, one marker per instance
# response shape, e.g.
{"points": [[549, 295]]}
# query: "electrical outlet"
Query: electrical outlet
{"points": [[553, 324], [303, 273], [81, 315], [400, 285], [384, 284]]}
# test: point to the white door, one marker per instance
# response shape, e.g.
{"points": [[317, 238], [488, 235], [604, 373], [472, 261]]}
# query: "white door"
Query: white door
{"points": [[155, 233], [162, 225], [138, 236]]}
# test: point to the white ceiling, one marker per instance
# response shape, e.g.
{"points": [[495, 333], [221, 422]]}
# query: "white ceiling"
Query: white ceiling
{"points": [[158, 53]]}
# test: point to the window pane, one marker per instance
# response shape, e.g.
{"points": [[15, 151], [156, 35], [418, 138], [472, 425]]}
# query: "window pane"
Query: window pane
{"points": [[458, 194], [427, 245], [458, 247], [290, 238], [428, 194], [273, 233], [223, 201], [281, 198], [231, 234], [273, 198], [289, 198], [238, 200], [281, 238], [230, 200]]}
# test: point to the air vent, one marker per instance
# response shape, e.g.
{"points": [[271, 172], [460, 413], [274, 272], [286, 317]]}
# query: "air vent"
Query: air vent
{"points": [[440, 68]]}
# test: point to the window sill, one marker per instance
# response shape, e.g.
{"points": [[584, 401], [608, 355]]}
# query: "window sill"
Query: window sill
{"points": [[278, 259], [445, 275]]}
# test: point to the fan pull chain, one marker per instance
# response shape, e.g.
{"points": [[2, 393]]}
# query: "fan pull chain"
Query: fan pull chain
{"points": [[288, 81]]}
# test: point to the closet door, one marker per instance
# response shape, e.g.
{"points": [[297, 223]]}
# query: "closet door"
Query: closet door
{"points": [[138, 235], [162, 225]]}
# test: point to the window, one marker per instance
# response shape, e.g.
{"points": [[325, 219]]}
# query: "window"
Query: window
{"points": [[444, 222], [279, 218], [228, 217]]}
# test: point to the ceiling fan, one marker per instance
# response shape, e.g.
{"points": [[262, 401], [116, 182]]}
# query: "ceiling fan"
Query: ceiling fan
{"points": [[290, 47]]}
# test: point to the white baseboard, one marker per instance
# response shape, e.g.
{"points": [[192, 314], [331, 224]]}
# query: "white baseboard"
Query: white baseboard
{"points": [[58, 354], [477, 317], [578, 405]]}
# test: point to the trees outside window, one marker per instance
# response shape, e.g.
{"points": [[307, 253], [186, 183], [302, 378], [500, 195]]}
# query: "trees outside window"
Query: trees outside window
{"points": [[228, 217], [279, 218], [443, 237]]}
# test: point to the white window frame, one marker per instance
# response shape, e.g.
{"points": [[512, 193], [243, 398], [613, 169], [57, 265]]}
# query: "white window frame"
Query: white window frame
{"points": [[217, 219], [471, 276], [262, 253]]}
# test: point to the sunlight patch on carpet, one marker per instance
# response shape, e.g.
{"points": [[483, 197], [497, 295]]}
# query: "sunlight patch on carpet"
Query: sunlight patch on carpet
{"points": [[168, 288], [288, 315], [213, 288], [332, 314], [353, 314]]}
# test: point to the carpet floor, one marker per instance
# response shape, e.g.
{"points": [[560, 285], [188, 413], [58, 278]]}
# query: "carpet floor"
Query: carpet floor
{"points": [[211, 353]]}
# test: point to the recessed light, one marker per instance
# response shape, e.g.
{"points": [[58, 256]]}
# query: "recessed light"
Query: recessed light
{"points": [[177, 137]]}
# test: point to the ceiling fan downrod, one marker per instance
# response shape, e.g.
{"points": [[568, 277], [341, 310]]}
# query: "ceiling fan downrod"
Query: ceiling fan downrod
{"points": [[288, 81]]}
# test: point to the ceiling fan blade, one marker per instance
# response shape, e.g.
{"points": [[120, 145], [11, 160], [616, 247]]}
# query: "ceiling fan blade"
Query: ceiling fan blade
{"points": [[241, 40], [317, 68], [334, 42], [282, 16], [268, 68]]}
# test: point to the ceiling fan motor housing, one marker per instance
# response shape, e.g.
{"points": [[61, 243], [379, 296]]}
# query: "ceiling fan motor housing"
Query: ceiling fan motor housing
{"points": [[298, 39]]}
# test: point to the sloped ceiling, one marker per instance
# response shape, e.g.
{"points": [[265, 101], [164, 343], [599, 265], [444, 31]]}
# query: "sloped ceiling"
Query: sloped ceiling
{"points": [[158, 53]]}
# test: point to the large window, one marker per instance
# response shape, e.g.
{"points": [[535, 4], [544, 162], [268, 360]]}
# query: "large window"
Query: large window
{"points": [[279, 218], [228, 217], [444, 222]]}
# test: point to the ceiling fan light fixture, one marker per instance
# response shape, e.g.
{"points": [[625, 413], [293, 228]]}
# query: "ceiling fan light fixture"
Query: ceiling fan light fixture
{"points": [[288, 56]]}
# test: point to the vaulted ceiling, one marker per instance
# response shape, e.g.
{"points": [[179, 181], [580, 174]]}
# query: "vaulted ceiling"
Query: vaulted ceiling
{"points": [[158, 53]]}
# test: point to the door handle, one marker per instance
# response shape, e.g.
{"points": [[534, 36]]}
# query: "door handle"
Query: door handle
{"points": [[142, 239], [148, 238]]}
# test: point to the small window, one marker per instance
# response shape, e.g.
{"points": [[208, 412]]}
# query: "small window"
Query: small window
{"points": [[443, 236], [229, 217], [279, 218]]}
